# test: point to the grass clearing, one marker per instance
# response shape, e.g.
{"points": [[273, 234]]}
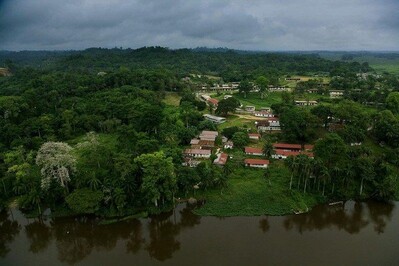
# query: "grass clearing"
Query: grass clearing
{"points": [[236, 121], [254, 99], [250, 194], [172, 98]]}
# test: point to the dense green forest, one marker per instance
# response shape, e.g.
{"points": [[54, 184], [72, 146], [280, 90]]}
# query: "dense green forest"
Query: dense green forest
{"points": [[89, 131]]}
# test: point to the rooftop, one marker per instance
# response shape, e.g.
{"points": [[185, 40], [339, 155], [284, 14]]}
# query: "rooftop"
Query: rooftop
{"points": [[256, 161], [197, 151], [253, 150], [221, 159], [287, 146]]}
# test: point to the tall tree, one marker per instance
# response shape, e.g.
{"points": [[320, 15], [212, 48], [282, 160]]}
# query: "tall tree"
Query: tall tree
{"points": [[262, 82], [227, 105], [57, 162], [245, 87], [158, 175]]}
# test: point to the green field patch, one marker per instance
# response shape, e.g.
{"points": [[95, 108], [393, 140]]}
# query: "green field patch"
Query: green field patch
{"points": [[249, 193]]}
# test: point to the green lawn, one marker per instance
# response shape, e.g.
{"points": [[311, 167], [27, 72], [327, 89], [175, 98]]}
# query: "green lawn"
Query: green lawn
{"points": [[254, 99], [249, 193], [233, 120]]}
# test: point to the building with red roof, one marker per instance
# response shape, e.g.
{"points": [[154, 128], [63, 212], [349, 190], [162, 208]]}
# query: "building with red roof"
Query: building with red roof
{"points": [[258, 163], [213, 101], [221, 159], [287, 146], [255, 136]]}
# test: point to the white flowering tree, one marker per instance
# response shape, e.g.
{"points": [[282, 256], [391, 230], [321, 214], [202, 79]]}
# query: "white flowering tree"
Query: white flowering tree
{"points": [[57, 163]]}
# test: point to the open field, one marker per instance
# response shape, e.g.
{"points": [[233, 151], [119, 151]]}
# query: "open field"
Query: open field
{"points": [[249, 193], [234, 120], [254, 99], [292, 84]]}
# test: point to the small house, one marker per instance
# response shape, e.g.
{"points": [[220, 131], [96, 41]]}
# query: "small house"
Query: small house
{"points": [[254, 136], [215, 119], [221, 159], [336, 93], [253, 151]]}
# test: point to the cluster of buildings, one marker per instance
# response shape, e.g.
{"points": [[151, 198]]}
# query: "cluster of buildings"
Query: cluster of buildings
{"points": [[226, 87], [270, 124], [334, 94], [201, 148], [281, 151]]}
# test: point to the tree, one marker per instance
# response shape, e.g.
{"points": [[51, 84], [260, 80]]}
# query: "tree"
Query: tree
{"points": [[227, 105], [158, 177], [84, 201], [332, 152], [392, 102], [240, 139], [323, 112], [268, 149], [57, 163], [228, 132], [187, 178], [262, 82], [386, 128], [298, 124], [245, 87]]}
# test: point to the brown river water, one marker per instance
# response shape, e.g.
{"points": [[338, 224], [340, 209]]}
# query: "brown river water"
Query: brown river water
{"points": [[354, 234]]}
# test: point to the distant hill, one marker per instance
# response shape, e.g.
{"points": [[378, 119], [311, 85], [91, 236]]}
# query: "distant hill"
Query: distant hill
{"points": [[231, 65]]}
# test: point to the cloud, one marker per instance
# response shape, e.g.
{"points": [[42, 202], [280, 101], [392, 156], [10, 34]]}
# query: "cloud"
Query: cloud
{"points": [[252, 24]]}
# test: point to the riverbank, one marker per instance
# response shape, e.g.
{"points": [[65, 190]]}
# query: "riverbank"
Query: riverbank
{"points": [[249, 193]]}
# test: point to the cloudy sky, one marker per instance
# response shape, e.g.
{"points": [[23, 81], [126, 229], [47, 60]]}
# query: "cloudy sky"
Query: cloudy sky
{"points": [[245, 24]]}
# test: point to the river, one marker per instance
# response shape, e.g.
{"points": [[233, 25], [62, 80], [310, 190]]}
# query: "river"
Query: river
{"points": [[354, 234]]}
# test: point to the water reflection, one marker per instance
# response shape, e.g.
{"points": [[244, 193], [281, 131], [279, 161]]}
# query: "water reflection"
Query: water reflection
{"points": [[264, 225], [39, 236], [9, 229], [352, 217], [159, 236]]}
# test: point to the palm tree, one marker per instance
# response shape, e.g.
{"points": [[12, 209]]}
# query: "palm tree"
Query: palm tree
{"points": [[35, 198], [291, 163], [268, 149], [93, 182]]}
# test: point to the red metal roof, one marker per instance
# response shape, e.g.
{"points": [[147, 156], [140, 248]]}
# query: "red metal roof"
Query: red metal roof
{"points": [[222, 159], [253, 150], [308, 147], [254, 134], [287, 153], [256, 161], [287, 146], [213, 101]]}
